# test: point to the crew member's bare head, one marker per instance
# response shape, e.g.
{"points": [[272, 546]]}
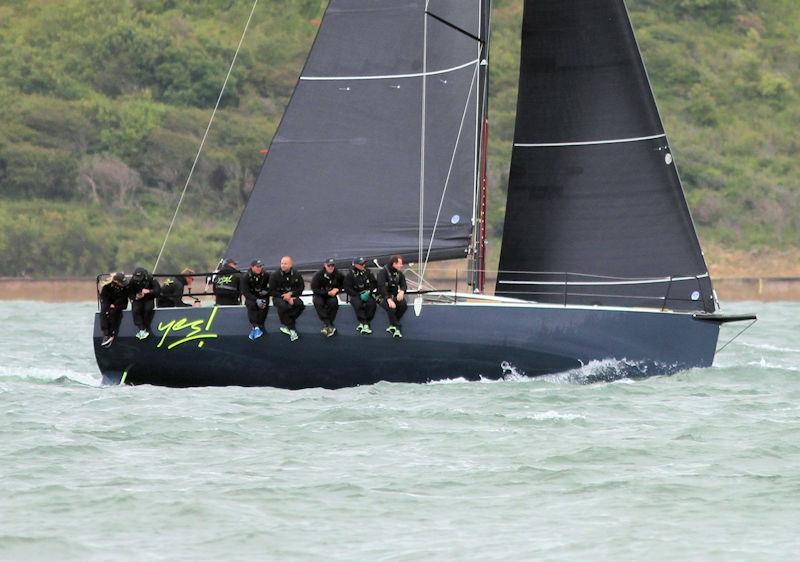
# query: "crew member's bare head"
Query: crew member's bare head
{"points": [[397, 262], [286, 263]]}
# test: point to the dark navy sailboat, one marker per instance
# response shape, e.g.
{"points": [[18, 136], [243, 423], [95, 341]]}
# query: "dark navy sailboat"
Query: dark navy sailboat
{"points": [[382, 151]]}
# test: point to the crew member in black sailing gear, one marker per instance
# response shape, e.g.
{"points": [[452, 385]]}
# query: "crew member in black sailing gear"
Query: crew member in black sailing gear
{"points": [[172, 290], [326, 284], [255, 288], [113, 300], [286, 286], [360, 285], [392, 290], [143, 290], [226, 284]]}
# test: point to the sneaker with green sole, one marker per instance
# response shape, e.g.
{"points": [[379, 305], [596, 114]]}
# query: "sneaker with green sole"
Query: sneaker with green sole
{"points": [[366, 329], [293, 335], [285, 330]]}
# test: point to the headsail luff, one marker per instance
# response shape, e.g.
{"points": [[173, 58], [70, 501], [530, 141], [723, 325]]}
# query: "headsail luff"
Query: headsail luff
{"points": [[593, 188], [342, 175]]}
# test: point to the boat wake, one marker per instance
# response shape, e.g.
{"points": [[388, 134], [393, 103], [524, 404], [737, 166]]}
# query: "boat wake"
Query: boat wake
{"points": [[605, 371]]}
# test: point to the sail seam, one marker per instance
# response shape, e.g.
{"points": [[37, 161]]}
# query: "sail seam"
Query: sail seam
{"points": [[391, 76], [605, 283], [589, 143]]}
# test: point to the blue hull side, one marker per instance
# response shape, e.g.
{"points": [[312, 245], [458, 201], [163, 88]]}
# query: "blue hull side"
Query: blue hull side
{"points": [[209, 347]]}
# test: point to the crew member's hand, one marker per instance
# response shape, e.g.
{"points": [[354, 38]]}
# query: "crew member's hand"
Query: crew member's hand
{"points": [[400, 295], [145, 291], [113, 306], [391, 303], [290, 300], [333, 292], [139, 295], [287, 297]]}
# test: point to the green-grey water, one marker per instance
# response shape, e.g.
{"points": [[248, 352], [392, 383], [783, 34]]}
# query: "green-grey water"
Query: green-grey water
{"points": [[703, 465]]}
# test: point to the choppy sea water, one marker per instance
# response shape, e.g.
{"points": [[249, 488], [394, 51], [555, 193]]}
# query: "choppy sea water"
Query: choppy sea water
{"points": [[702, 465]]}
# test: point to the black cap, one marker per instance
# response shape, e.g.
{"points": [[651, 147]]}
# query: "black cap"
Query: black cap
{"points": [[230, 261], [119, 277], [256, 262], [360, 261], [330, 261]]}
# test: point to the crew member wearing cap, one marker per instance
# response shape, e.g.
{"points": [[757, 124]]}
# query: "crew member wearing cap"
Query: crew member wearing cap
{"points": [[392, 290], [286, 286], [226, 284], [113, 300], [255, 288], [143, 290], [326, 284], [172, 290], [360, 285]]}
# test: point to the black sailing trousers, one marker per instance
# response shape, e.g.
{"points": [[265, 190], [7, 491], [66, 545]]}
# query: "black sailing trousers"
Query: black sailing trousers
{"points": [[395, 314], [110, 319], [143, 312], [255, 315], [288, 313], [327, 307], [365, 311]]}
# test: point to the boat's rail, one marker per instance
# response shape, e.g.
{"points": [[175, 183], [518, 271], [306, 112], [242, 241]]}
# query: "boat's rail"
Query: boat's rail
{"points": [[560, 288]]}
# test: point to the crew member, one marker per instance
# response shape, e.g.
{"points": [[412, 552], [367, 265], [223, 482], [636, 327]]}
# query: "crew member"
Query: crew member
{"points": [[173, 288], [255, 288], [286, 286], [113, 300], [392, 290], [360, 285], [326, 284], [226, 284], [143, 290]]}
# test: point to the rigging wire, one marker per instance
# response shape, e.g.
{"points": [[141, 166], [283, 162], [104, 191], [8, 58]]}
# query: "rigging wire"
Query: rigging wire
{"points": [[422, 133], [449, 172], [205, 135]]}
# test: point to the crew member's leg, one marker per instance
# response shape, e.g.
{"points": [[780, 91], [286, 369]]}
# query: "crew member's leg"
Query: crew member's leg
{"points": [[148, 312], [333, 308], [320, 305], [402, 306]]}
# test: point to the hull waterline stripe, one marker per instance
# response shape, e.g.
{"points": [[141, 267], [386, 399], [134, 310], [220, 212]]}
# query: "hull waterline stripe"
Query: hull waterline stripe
{"points": [[392, 76], [588, 143], [590, 283]]}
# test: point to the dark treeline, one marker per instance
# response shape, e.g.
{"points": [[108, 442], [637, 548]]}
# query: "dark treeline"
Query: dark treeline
{"points": [[103, 105]]}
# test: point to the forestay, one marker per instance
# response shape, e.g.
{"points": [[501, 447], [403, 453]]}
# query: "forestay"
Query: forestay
{"points": [[344, 173], [593, 187]]}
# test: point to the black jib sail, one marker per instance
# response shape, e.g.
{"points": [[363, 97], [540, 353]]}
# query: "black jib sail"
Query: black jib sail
{"points": [[377, 152], [593, 188]]}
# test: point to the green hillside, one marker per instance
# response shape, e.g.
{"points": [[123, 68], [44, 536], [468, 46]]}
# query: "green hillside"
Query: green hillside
{"points": [[103, 105]]}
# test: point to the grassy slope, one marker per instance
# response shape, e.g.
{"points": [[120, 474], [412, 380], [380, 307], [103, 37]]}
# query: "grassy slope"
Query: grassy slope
{"points": [[102, 109]]}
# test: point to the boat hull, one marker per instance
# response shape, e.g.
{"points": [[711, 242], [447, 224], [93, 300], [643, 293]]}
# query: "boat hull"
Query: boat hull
{"points": [[210, 347]]}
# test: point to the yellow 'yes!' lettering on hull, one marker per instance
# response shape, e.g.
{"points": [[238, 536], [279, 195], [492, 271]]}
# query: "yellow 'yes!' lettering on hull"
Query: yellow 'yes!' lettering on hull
{"points": [[199, 330]]}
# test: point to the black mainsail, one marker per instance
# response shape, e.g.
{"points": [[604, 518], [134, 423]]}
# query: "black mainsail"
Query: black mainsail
{"points": [[378, 150], [593, 188]]}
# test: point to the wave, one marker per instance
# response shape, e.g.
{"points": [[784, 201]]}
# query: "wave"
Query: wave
{"points": [[622, 371], [48, 376]]}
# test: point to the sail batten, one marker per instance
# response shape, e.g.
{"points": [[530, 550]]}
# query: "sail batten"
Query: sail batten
{"points": [[593, 186]]}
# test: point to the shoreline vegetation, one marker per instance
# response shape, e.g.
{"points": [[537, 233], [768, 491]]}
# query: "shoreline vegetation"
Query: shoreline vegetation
{"points": [[102, 111]]}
